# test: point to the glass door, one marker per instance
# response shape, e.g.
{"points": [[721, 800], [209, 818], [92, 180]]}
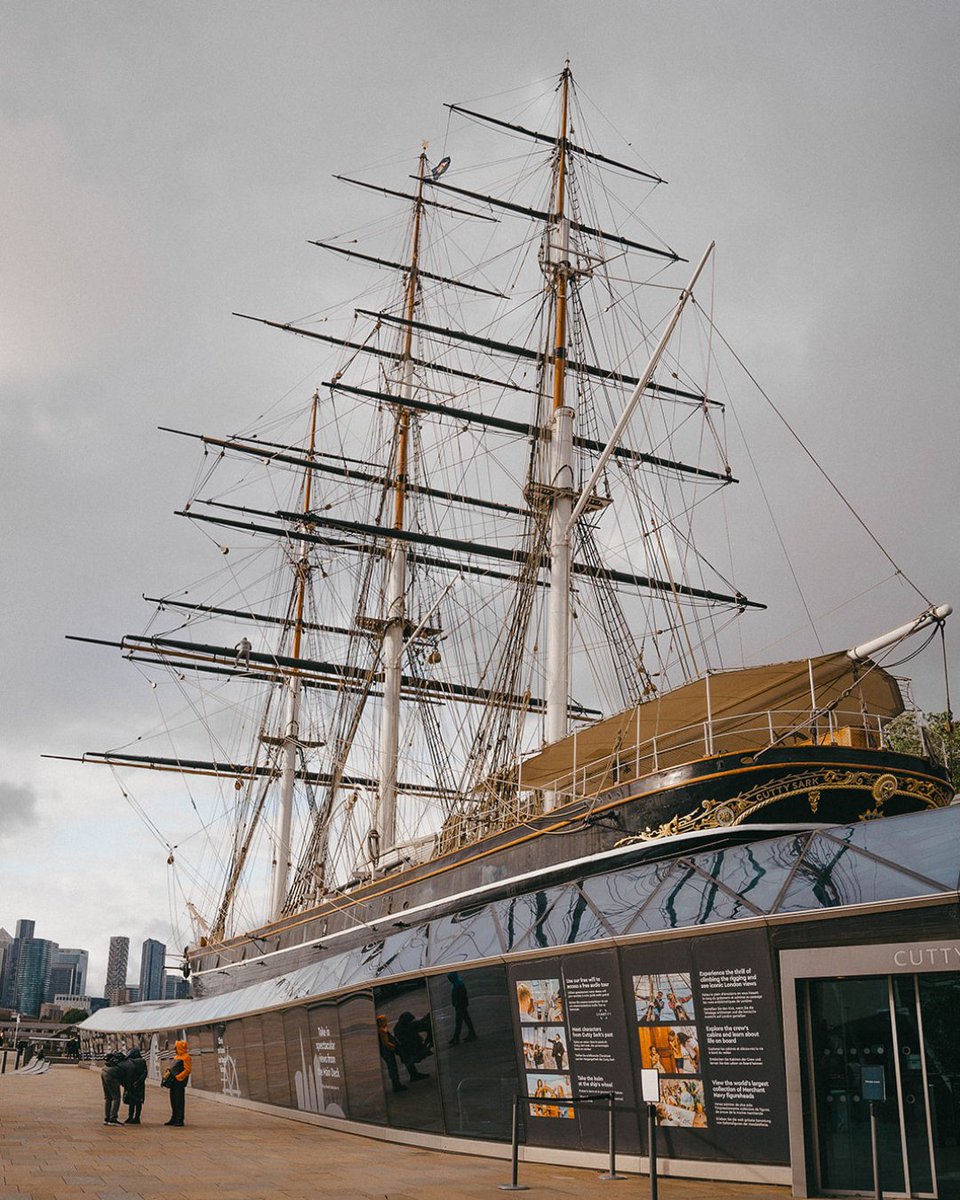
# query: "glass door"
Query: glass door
{"points": [[850, 1026], [907, 1025], [912, 1085], [939, 997]]}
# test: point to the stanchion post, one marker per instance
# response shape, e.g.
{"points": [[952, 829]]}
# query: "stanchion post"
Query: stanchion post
{"points": [[650, 1092], [513, 1185], [612, 1141], [3, 1068], [873, 1088], [875, 1151], [652, 1149]]}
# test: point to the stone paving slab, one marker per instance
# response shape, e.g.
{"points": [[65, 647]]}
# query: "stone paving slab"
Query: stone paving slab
{"points": [[54, 1146]]}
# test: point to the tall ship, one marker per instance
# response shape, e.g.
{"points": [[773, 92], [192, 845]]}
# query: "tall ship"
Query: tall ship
{"points": [[464, 710]]}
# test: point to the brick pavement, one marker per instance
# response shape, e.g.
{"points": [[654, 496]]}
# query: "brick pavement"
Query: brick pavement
{"points": [[53, 1146]]}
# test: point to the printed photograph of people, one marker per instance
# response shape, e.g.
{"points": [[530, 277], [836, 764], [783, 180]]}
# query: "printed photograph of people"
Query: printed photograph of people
{"points": [[539, 1001], [681, 1103], [663, 999], [549, 1091], [545, 1047], [670, 1049]]}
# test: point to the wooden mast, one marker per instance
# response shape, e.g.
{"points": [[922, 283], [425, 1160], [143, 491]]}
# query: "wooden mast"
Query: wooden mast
{"points": [[291, 734], [395, 597], [560, 480]]}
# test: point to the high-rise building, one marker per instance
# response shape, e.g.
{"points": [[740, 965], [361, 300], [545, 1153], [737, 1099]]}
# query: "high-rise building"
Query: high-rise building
{"points": [[152, 955], [9, 981], [116, 981], [6, 941], [33, 974], [175, 987], [68, 972]]}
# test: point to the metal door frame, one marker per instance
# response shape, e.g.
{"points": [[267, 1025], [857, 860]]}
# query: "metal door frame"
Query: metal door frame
{"points": [[844, 962]]}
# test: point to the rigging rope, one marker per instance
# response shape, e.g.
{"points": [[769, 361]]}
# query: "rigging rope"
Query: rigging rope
{"points": [[809, 453]]}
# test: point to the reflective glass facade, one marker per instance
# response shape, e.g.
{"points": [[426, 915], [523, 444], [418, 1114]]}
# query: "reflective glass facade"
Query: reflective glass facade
{"points": [[567, 991]]}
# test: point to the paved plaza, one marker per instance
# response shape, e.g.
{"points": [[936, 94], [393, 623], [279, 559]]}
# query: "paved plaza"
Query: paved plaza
{"points": [[54, 1146]]}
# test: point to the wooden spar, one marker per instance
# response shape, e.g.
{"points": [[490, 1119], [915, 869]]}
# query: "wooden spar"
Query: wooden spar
{"points": [[377, 352], [546, 137], [539, 215], [525, 429], [375, 187], [466, 547], [257, 450], [638, 391], [340, 544], [216, 770], [384, 262], [165, 602], [605, 374], [189, 654]]}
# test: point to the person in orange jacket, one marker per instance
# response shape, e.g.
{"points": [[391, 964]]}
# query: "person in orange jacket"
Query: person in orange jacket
{"points": [[176, 1080]]}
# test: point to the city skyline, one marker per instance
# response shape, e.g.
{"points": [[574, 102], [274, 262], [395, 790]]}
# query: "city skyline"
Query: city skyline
{"points": [[51, 970]]}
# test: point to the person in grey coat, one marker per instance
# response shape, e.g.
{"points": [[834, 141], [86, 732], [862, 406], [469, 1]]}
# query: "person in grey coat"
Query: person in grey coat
{"points": [[110, 1078]]}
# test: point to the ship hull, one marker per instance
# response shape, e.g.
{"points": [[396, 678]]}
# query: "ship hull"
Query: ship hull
{"points": [[802, 786]]}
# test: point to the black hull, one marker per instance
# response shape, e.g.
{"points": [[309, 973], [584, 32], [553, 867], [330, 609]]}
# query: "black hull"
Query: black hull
{"points": [[721, 797]]}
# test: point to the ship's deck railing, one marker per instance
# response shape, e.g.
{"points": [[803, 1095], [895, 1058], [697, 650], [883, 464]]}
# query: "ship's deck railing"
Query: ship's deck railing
{"points": [[510, 801]]}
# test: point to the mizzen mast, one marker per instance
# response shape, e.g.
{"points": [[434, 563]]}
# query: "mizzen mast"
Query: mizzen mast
{"points": [[290, 744]]}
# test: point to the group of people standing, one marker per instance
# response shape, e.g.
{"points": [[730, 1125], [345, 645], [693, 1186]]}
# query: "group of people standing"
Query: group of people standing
{"points": [[124, 1077]]}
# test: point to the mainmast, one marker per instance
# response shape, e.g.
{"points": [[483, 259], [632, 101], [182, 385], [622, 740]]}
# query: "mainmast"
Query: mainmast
{"points": [[395, 597], [560, 479], [290, 744]]}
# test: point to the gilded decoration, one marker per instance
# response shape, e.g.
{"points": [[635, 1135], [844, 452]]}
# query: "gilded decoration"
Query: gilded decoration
{"points": [[719, 814]]}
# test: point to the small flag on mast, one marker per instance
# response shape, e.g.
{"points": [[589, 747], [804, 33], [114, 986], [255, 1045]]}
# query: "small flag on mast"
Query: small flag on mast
{"points": [[439, 169]]}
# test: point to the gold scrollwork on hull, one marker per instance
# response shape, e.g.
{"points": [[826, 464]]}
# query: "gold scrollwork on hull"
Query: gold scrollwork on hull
{"points": [[719, 814]]}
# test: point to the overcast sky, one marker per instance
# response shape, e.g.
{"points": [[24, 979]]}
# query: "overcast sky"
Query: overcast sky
{"points": [[164, 165]]}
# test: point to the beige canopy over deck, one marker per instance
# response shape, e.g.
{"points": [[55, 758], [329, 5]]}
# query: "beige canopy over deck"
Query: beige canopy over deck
{"points": [[726, 712]]}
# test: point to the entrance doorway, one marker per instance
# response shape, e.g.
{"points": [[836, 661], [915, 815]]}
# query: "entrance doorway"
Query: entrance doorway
{"points": [[908, 1025]]}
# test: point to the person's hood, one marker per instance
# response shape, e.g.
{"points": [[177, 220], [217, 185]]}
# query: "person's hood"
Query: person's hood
{"points": [[134, 1053], [181, 1048]]}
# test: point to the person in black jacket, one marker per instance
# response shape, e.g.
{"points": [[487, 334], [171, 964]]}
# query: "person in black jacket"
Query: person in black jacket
{"points": [[460, 1000], [133, 1074], [414, 1041]]}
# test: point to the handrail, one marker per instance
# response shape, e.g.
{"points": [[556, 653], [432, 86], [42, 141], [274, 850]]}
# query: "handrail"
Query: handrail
{"points": [[513, 800]]}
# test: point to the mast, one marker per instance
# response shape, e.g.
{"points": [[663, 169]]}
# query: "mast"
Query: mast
{"points": [[395, 597], [560, 480], [291, 733]]}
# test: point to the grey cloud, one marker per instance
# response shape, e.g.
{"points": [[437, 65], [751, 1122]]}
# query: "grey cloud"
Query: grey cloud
{"points": [[18, 809]]}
